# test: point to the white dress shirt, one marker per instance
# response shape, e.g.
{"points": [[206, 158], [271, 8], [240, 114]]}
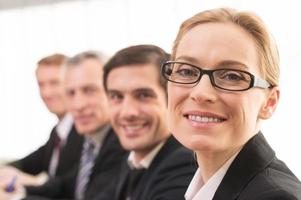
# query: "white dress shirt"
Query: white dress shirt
{"points": [[146, 161], [64, 126], [198, 190]]}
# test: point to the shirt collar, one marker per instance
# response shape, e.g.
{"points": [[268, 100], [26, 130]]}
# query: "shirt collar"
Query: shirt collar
{"points": [[199, 190], [64, 126], [98, 137], [147, 160]]}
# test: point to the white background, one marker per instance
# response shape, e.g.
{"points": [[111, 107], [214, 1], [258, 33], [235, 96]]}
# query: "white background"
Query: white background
{"points": [[29, 33]]}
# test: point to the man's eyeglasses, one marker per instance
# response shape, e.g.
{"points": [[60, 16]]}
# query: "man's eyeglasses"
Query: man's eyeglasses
{"points": [[226, 79]]}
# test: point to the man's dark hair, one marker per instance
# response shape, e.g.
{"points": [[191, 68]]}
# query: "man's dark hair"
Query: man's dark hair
{"points": [[137, 55]]}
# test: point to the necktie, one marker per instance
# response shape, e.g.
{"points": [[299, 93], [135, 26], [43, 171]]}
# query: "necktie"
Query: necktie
{"points": [[85, 169], [132, 182]]}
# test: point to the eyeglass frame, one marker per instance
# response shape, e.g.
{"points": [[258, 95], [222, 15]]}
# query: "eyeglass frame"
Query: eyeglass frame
{"points": [[255, 81]]}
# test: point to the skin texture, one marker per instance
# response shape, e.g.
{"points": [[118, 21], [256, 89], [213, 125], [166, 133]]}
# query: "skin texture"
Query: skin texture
{"points": [[138, 108], [238, 114], [51, 89], [86, 97]]}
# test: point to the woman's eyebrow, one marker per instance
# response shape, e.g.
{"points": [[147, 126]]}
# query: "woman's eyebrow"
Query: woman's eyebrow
{"points": [[232, 63]]}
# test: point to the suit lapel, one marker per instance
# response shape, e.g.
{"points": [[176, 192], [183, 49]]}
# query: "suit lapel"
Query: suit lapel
{"points": [[170, 145], [49, 149], [70, 152], [254, 157], [106, 148], [122, 178], [110, 148]]}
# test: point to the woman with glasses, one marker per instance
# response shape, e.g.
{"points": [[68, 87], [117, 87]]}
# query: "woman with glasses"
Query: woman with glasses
{"points": [[223, 82]]}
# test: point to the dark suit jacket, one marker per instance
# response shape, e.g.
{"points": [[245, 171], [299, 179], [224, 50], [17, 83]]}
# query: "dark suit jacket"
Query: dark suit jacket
{"points": [[256, 174], [39, 160], [168, 176], [107, 165]]}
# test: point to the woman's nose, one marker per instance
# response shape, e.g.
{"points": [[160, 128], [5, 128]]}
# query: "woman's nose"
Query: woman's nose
{"points": [[204, 90]]}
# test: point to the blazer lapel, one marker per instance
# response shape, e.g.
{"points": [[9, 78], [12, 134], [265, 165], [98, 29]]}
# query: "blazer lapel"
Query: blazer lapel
{"points": [[170, 145], [107, 147], [49, 149], [254, 156], [71, 152], [122, 179], [110, 155]]}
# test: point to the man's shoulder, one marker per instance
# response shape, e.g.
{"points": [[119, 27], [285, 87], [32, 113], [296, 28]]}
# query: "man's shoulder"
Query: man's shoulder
{"points": [[171, 172], [111, 140], [175, 152], [174, 158], [181, 157], [111, 150]]}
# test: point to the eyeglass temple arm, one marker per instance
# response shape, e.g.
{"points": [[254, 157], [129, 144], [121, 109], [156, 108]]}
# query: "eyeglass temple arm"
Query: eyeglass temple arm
{"points": [[258, 82]]}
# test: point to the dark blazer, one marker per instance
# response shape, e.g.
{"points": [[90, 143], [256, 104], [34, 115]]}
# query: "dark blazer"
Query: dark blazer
{"points": [[107, 165], [256, 174], [39, 160], [168, 176]]}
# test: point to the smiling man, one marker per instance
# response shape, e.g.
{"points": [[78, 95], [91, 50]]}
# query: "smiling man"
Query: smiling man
{"points": [[101, 153], [158, 167], [62, 150]]}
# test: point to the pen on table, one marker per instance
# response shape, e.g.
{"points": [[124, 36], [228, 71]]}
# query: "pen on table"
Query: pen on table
{"points": [[11, 186]]}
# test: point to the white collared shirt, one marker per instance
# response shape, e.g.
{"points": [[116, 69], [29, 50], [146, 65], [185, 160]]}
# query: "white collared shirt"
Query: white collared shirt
{"points": [[198, 190], [98, 137], [64, 126], [147, 160]]}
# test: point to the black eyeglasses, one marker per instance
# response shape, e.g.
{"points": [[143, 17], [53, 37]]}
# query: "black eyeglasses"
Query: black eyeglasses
{"points": [[226, 79]]}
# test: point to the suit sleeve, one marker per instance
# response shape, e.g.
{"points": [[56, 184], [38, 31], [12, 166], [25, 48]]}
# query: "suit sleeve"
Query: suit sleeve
{"points": [[56, 188], [41, 198], [37, 161]]}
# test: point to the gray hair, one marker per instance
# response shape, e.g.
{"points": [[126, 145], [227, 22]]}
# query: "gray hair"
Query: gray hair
{"points": [[79, 58]]}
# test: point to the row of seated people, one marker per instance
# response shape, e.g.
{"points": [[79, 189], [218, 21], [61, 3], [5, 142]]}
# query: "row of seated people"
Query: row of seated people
{"points": [[222, 81], [85, 158]]}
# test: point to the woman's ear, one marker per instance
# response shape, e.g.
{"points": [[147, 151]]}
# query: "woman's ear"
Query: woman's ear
{"points": [[271, 103]]}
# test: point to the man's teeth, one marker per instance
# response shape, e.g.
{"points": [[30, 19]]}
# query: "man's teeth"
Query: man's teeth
{"points": [[133, 127], [203, 119]]}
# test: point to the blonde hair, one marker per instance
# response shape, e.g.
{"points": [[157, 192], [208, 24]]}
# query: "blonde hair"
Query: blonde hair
{"points": [[251, 23], [56, 60]]}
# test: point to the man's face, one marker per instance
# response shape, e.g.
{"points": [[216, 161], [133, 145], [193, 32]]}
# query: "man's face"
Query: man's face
{"points": [[86, 98], [137, 107], [51, 88]]}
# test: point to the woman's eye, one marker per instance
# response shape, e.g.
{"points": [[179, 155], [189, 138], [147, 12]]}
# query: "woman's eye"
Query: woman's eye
{"points": [[233, 76], [185, 72]]}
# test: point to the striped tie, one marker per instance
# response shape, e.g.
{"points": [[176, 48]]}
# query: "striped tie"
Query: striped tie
{"points": [[85, 169]]}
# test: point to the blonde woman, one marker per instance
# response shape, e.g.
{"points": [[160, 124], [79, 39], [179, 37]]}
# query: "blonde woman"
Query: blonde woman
{"points": [[223, 81]]}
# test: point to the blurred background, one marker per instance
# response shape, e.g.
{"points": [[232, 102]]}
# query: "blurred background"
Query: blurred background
{"points": [[32, 29]]}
